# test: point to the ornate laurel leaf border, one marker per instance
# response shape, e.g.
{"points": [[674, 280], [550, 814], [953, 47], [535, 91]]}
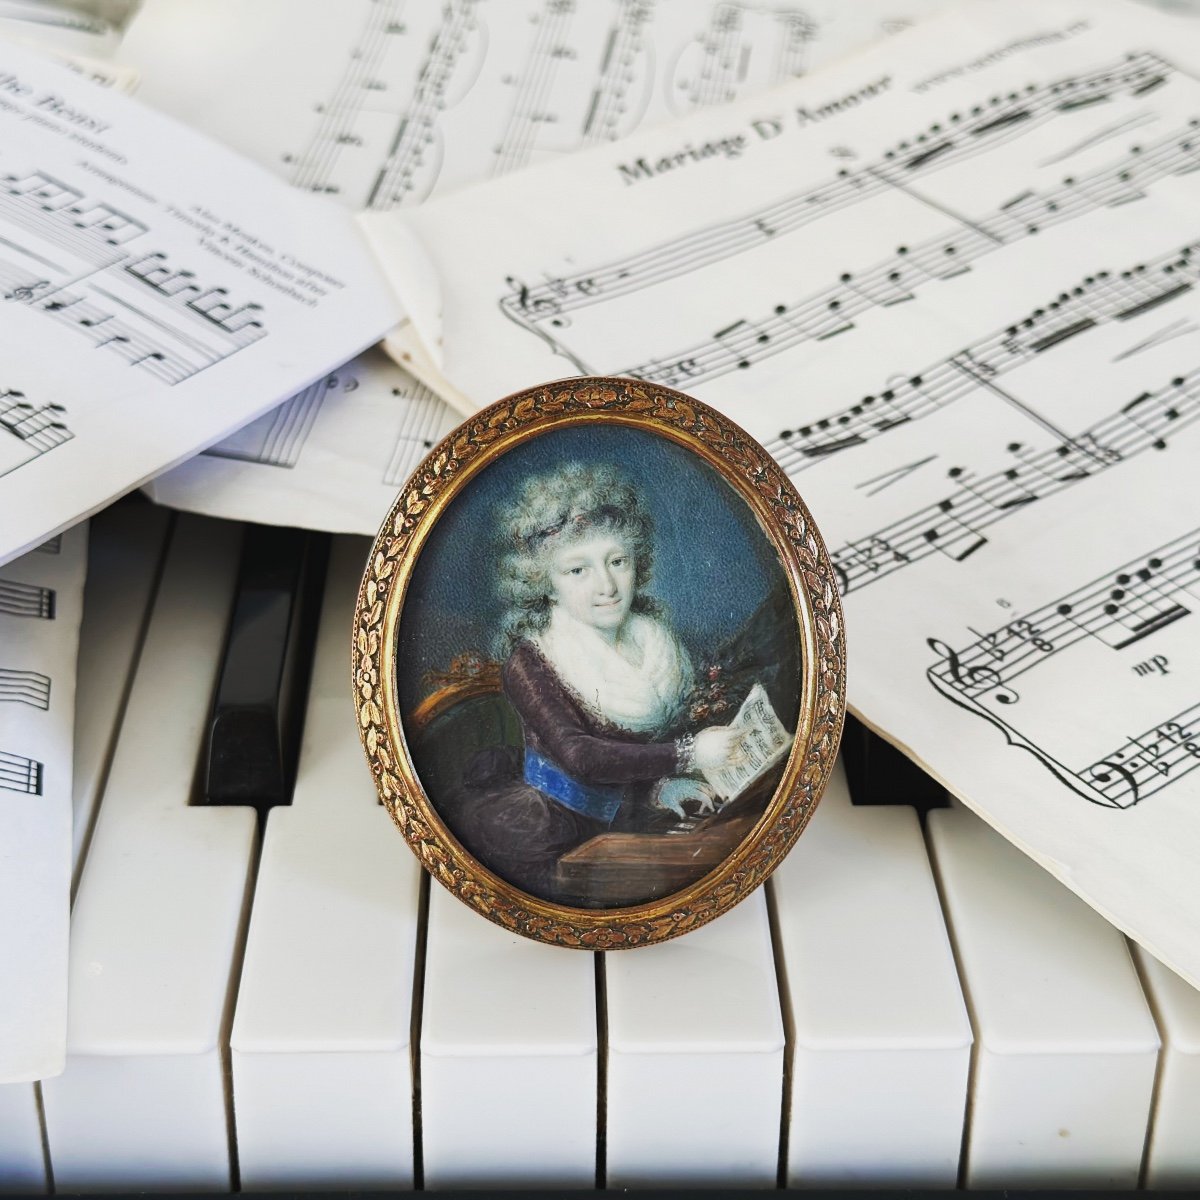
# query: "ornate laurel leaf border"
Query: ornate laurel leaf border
{"points": [[782, 514]]}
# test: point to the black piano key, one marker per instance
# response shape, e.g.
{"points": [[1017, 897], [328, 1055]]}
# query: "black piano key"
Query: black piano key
{"points": [[258, 708], [878, 773]]}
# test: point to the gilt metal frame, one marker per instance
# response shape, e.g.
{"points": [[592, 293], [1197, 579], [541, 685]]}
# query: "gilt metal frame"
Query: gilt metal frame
{"points": [[760, 481]]}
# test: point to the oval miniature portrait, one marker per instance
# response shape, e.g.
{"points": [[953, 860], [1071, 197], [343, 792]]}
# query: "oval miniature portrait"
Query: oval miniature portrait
{"points": [[599, 663]]}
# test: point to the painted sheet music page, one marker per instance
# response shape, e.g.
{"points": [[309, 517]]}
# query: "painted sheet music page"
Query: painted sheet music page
{"points": [[950, 284], [41, 605], [382, 103], [157, 292], [763, 742]]}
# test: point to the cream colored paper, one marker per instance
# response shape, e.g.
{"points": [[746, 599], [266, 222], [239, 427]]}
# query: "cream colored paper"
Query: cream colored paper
{"points": [[380, 103], [158, 292], [950, 284], [763, 742], [332, 457]]}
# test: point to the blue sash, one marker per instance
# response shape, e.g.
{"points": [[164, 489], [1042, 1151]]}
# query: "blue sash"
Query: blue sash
{"points": [[600, 803]]}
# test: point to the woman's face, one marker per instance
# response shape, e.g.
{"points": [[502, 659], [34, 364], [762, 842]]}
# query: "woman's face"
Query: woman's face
{"points": [[593, 579]]}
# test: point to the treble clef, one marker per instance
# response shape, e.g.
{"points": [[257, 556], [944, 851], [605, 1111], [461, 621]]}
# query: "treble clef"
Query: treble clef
{"points": [[967, 678], [529, 304]]}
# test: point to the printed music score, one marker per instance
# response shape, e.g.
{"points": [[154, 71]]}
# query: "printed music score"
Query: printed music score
{"points": [[1096, 299], [138, 305], [1095, 623], [333, 456], [386, 105], [148, 280], [957, 137], [951, 286], [552, 310], [33, 429], [41, 604], [278, 439]]}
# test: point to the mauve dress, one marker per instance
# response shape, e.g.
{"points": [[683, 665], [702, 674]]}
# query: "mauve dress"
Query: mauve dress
{"points": [[520, 832]]}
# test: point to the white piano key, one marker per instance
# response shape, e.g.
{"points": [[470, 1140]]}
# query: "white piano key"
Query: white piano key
{"points": [[509, 1056], [125, 547], [155, 929], [881, 1040], [695, 1057], [122, 566], [1173, 1151], [1066, 1047], [22, 1155], [322, 1079]]}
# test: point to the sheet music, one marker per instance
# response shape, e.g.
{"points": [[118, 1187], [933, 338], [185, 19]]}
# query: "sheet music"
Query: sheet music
{"points": [[158, 292], [334, 456], [763, 742], [41, 604], [951, 285], [382, 103]]}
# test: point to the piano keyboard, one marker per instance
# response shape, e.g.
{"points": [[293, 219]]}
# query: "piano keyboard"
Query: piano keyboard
{"points": [[294, 1007]]}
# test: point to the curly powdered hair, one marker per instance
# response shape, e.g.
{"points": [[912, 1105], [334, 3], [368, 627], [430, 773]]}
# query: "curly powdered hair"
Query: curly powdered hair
{"points": [[552, 510]]}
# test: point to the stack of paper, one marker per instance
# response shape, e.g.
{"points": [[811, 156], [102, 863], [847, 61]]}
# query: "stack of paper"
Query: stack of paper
{"points": [[158, 292], [164, 295], [381, 105], [948, 281]]}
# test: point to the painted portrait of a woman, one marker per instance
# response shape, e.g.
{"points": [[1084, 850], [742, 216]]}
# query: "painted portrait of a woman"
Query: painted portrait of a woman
{"points": [[578, 763]]}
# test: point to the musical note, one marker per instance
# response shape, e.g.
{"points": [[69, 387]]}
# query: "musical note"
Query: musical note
{"points": [[39, 428], [389, 420], [1154, 418], [425, 421], [978, 133], [153, 270], [831, 312], [533, 86], [313, 167], [954, 525], [36, 429], [950, 534], [44, 190], [743, 49], [213, 306], [621, 96], [411, 147], [89, 292], [1098, 299], [1116, 610], [115, 226]]}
